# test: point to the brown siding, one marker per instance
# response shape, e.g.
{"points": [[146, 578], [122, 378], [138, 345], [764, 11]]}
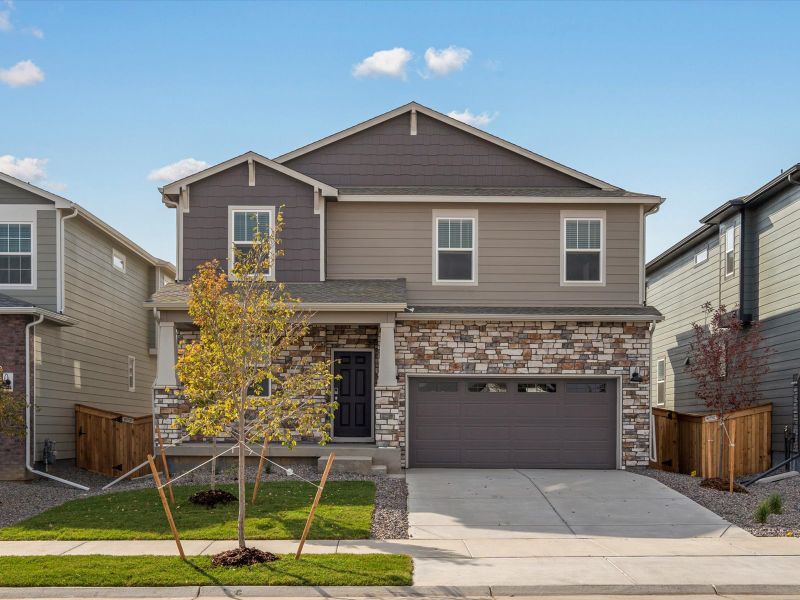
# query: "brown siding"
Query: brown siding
{"points": [[439, 154], [205, 226], [518, 253]]}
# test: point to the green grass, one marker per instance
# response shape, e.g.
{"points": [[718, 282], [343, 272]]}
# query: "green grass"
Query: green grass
{"points": [[345, 512], [124, 571]]}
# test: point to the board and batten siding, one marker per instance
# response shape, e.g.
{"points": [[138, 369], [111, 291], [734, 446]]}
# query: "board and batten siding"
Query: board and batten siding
{"points": [[439, 154], [776, 238], [518, 249], [13, 198], [88, 363], [205, 225]]}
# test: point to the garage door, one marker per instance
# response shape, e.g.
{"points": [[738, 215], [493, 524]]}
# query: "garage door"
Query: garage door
{"points": [[513, 423]]}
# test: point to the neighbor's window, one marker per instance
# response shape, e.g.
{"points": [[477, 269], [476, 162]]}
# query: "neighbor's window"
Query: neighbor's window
{"points": [[244, 226], [661, 377], [729, 247], [16, 254], [118, 260], [701, 256], [583, 250], [455, 249], [131, 373]]}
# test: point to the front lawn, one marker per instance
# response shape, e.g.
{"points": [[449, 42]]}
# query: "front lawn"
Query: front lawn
{"points": [[125, 571], [345, 512]]}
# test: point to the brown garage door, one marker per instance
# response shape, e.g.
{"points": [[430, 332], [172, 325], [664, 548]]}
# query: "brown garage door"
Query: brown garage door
{"points": [[513, 423]]}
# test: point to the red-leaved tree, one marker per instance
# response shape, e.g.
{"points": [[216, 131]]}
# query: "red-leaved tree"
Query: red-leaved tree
{"points": [[727, 360]]}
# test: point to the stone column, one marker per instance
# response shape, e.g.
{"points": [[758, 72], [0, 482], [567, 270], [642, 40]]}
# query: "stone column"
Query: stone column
{"points": [[387, 365], [167, 356]]}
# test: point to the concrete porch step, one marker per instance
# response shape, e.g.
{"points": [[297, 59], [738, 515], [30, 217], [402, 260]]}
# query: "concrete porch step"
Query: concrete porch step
{"points": [[379, 470], [348, 464]]}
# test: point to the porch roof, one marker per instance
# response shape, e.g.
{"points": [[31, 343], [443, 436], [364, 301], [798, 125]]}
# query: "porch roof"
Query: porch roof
{"points": [[14, 306], [541, 313], [333, 294]]}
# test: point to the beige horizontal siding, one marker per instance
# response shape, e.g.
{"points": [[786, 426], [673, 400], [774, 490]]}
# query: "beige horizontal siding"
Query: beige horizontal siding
{"points": [[518, 253]]}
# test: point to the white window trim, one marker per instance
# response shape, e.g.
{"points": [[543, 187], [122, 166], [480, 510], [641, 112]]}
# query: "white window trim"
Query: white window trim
{"points": [[698, 253], [234, 209], [116, 254], [131, 373], [731, 250], [22, 217], [583, 214], [660, 380], [472, 215]]}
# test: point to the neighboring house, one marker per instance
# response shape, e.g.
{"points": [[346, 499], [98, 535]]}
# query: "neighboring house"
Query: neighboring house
{"points": [[71, 289], [484, 304], [746, 255]]}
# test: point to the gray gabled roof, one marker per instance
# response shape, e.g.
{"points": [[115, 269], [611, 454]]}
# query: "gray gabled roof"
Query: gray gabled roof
{"points": [[387, 294]]}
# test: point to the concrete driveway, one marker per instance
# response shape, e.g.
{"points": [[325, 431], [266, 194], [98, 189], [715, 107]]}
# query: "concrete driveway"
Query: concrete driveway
{"points": [[475, 504]]}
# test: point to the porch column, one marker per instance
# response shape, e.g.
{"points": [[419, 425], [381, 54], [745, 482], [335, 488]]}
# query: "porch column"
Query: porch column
{"points": [[387, 368], [167, 356]]}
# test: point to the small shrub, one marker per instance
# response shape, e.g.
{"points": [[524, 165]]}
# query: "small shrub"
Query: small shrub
{"points": [[775, 503], [762, 512]]}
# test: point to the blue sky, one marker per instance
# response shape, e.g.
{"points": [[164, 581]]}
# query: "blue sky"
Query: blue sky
{"points": [[697, 102]]}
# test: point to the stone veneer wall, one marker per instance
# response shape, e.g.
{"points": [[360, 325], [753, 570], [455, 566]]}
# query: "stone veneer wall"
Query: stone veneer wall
{"points": [[524, 348], [317, 345], [12, 359]]}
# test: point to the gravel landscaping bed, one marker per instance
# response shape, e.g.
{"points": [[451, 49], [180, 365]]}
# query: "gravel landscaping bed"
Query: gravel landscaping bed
{"points": [[20, 500], [740, 508]]}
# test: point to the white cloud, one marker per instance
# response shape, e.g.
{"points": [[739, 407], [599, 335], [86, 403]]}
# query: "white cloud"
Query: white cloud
{"points": [[468, 117], [5, 21], [447, 60], [177, 170], [25, 72], [389, 63], [26, 169], [34, 31]]}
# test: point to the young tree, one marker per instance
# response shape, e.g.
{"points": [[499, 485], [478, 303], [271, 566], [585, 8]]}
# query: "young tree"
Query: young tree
{"points": [[727, 360], [236, 376]]}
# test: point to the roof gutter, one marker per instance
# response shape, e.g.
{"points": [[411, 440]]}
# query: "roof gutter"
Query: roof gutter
{"points": [[39, 312], [30, 407]]}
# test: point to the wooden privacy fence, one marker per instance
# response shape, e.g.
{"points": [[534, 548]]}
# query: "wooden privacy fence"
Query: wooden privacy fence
{"points": [[682, 441], [111, 443]]}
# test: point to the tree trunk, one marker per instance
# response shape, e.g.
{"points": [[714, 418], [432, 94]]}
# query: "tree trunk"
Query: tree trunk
{"points": [[242, 457], [720, 469]]}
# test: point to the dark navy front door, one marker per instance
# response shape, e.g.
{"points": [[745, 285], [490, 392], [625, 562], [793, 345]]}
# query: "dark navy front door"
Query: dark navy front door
{"points": [[354, 394]]}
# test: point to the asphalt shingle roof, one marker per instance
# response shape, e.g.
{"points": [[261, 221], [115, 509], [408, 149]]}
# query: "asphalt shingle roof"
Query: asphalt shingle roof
{"points": [[599, 311], [10, 302]]}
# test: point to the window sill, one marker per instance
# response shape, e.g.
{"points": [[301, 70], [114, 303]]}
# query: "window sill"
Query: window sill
{"points": [[458, 283], [583, 284]]}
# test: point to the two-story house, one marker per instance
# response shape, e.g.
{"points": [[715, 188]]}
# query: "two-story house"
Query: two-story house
{"points": [[745, 256], [484, 305], [72, 328]]}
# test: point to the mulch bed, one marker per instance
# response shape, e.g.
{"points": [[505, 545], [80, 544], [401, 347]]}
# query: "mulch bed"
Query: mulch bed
{"points": [[242, 557], [210, 498]]}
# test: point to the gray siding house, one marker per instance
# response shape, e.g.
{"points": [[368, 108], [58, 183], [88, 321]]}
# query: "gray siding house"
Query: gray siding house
{"points": [[745, 256], [488, 301], [71, 292]]}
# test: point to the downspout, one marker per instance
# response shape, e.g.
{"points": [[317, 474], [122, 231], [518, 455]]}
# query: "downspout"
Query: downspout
{"points": [[30, 407], [62, 262], [742, 280]]}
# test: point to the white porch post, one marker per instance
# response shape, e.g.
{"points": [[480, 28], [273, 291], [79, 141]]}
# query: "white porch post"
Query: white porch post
{"points": [[387, 368], [167, 356]]}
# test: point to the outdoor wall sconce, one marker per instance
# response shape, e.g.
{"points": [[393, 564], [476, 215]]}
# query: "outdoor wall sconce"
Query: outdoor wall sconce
{"points": [[635, 377]]}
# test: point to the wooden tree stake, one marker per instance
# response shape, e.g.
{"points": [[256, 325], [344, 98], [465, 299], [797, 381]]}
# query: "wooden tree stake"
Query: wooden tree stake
{"points": [[260, 469], [731, 453], [167, 478], [164, 502], [310, 520]]}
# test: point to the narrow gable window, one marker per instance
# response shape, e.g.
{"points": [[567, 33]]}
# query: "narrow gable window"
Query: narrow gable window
{"points": [[131, 373], [245, 223], [582, 260], [16, 254], [455, 249], [701, 256], [729, 250], [118, 260], [661, 378]]}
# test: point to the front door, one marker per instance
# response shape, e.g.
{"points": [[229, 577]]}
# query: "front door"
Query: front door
{"points": [[353, 393]]}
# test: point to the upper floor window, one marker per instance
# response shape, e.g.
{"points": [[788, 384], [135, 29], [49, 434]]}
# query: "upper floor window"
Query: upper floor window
{"points": [[118, 260], [245, 223], [455, 250], [729, 250], [582, 260], [16, 254]]}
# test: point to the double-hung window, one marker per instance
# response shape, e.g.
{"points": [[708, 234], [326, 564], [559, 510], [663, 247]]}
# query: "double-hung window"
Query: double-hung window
{"points": [[455, 250], [245, 224], [582, 243], [661, 378], [16, 254], [729, 250]]}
